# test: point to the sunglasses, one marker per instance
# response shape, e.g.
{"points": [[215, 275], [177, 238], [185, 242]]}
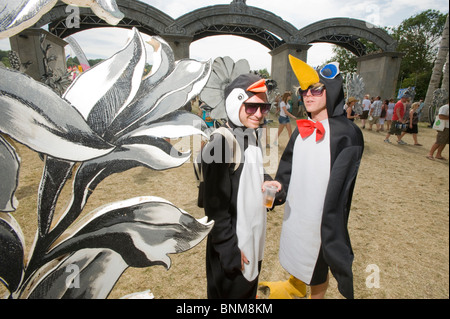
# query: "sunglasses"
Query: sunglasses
{"points": [[252, 108], [314, 91]]}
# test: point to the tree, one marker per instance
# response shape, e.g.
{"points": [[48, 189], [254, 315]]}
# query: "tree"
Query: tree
{"points": [[347, 60], [437, 70], [445, 80], [418, 37], [263, 73], [4, 58]]}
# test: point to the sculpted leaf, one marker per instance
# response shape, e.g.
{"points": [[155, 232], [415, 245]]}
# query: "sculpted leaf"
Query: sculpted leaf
{"points": [[143, 230], [12, 245], [9, 171]]}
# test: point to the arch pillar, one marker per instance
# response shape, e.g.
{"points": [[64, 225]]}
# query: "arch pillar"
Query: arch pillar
{"points": [[281, 69], [28, 46], [179, 44], [380, 73]]}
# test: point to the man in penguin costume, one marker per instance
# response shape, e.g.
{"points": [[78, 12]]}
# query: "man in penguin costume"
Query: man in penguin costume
{"points": [[233, 176], [317, 172]]}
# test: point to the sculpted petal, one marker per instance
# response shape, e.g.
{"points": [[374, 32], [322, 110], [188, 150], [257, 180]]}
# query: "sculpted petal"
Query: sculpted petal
{"points": [[103, 91], [12, 246], [9, 171], [104, 9], [43, 121], [184, 83], [143, 230], [18, 15]]}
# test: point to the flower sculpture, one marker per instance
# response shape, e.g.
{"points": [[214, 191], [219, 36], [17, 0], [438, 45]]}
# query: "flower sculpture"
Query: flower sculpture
{"points": [[109, 120], [354, 86], [225, 70]]}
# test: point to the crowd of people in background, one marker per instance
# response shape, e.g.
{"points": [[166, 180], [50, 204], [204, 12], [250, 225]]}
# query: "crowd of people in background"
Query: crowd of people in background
{"points": [[382, 115], [399, 119]]}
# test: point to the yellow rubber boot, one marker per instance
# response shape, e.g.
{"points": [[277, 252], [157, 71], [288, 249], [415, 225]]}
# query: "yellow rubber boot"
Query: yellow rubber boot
{"points": [[290, 289]]}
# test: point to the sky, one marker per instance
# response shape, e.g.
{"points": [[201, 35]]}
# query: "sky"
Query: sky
{"points": [[102, 43]]}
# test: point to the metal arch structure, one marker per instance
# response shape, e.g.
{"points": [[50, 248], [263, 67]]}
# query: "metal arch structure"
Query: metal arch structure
{"points": [[346, 32], [237, 18], [350, 43], [234, 19], [267, 39], [89, 21], [145, 18]]}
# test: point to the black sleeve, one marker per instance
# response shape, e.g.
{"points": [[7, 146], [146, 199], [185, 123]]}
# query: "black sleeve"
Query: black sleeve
{"points": [[337, 249], [218, 205]]}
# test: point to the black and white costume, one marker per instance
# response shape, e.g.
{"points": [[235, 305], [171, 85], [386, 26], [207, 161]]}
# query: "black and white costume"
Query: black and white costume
{"points": [[318, 178], [233, 199]]}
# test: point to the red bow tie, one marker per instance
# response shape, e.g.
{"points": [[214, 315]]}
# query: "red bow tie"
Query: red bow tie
{"points": [[307, 127]]}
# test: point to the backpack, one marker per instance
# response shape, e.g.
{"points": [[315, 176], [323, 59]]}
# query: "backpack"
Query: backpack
{"points": [[233, 145]]}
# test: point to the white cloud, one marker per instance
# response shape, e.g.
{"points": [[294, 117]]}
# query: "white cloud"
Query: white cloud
{"points": [[4, 45], [235, 47]]}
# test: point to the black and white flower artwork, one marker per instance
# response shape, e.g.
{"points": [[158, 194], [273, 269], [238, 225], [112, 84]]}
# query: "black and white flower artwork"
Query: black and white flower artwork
{"points": [[109, 120]]}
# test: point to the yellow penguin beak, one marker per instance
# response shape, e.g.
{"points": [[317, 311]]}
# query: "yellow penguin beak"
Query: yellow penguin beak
{"points": [[305, 74]]}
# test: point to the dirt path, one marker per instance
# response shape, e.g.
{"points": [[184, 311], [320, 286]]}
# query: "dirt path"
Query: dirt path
{"points": [[399, 226]]}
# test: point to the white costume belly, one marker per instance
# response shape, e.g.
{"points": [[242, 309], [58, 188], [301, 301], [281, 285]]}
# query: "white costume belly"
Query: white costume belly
{"points": [[300, 236], [251, 214]]}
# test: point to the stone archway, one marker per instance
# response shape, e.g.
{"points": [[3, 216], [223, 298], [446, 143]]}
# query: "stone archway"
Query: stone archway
{"points": [[144, 17], [380, 70], [345, 32], [235, 19], [278, 35]]}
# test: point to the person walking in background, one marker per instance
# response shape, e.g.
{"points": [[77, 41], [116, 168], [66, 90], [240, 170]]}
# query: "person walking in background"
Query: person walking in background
{"points": [[285, 115], [419, 110], [397, 120], [366, 108], [442, 137], [389, 114], [349, 108], [382, 119], [407, 109], [375, 113], [412, 123]]}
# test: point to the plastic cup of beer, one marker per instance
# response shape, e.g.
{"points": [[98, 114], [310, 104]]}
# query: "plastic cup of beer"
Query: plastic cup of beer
{"points": [[269, 195]]}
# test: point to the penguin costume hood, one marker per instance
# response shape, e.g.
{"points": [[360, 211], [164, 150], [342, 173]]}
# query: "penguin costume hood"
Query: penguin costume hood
{"points": [[329, 76], [249, 88], [342, 146]]}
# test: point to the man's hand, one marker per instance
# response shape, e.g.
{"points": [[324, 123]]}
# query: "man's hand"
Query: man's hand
{"points": [[244, 260]]}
